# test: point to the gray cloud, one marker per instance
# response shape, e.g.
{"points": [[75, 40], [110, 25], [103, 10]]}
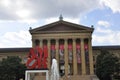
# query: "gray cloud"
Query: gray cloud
{"points": [[46, 8]]}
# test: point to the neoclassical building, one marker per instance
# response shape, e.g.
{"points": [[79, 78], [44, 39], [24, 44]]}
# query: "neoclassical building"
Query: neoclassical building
{"points": [[70, 44]]}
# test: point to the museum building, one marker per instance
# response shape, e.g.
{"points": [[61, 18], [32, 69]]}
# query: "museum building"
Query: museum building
{"points": [[70, 44]]}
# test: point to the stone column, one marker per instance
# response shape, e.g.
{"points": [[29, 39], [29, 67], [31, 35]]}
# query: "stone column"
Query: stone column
{"points": [[75, 72], [49, 53], [90, 57], [33, 42], [66, 56], [83, 57], [41, 43], [57, 50]]}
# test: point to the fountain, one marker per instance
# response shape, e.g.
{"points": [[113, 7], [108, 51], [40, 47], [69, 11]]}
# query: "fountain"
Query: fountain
{"points": [[54, 70]]}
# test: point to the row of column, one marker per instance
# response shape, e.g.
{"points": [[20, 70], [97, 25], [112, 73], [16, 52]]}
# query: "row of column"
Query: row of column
{"points": [[83, 65]]}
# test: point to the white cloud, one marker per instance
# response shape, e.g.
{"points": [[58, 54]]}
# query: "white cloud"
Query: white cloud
{"points": [[106, 31], [14, 9], [23, 13], [39, 9], [106, 37], [50, 20], [5, 3], [104, 24], [16, 39], [28, 21], [30, 11], [6, 21], [73, 20], [114, 5]]}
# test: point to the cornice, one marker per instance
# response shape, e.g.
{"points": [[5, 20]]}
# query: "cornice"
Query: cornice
{"points": [[76, 31]]}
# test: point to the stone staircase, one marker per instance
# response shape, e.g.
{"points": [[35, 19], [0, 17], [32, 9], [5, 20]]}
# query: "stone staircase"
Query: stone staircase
{"points": [[77, 77]]}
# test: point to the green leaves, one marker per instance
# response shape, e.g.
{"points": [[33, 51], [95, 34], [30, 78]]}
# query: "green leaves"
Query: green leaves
{"points": [[11, 68], [105, 65]]}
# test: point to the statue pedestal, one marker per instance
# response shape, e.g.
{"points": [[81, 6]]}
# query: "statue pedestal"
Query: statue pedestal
{"points": [[27, 73]]}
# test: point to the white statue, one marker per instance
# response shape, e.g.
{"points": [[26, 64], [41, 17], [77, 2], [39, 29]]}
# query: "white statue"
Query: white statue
{"points": [[54, 70]]}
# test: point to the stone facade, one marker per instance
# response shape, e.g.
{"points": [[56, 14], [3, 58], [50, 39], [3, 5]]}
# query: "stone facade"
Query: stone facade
{"points": [[63, 33]]}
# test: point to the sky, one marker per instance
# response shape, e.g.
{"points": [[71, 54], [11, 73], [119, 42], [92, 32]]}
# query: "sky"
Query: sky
{"points": [[17, 16]]}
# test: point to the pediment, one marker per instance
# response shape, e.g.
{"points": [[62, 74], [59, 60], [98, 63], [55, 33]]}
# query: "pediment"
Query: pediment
{"points": [[61, 26]]}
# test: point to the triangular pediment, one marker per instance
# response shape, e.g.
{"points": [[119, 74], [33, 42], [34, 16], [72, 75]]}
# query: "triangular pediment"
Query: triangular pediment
{"points": [[61, 26]]}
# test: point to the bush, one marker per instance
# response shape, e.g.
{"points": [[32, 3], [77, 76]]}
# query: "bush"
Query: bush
{"points": [[106, 65], [11, 68]]}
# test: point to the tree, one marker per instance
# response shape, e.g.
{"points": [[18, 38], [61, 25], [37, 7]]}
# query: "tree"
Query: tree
{"points": [[106, 64], [11, 68]]}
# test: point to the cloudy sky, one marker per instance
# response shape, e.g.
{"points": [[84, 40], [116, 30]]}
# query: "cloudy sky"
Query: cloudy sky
{"points": [[16, 16]]}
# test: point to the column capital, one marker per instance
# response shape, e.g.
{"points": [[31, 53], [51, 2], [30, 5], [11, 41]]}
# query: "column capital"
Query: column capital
{"points": [[32, 39], [90, 38], [82, 39], [41, 39], [35, 39], [65, 39], [57, 39], [48, 39], [73, 39]]}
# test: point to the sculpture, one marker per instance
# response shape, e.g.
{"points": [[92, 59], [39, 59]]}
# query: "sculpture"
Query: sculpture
{"points": [[37, 58]]}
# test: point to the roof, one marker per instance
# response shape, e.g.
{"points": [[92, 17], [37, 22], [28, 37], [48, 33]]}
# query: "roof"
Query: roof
{"points": [[109, 47], [5, 50], [61, 26]]}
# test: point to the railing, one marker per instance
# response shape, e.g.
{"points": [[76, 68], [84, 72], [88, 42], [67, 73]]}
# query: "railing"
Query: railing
{"points": [[27, 74]]}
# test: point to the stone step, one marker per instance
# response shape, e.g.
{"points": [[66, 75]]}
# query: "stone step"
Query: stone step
{"points": [[40, 77], [77, 77]]}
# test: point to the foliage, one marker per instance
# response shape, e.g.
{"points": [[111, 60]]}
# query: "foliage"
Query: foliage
{"points": [[106, 64], [11, 68], [117, 71]]}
